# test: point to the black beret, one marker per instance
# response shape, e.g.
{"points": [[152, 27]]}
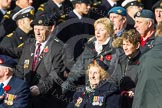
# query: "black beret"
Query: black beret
{"points": [[7, 61], [158, 4], [45, 20], [23, 13]]}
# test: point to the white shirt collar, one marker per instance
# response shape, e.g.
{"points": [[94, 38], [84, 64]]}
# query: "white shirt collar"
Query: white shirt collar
{"points": [[59, 5], [99, 47], [42, 45], [77, 14], [111, 2], [3, 11], [7, 81]]}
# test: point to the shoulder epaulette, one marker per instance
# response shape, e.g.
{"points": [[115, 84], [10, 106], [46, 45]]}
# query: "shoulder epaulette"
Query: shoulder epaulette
{"points": [[41, 7], [20, 45], [57, 40], [10, 35]]}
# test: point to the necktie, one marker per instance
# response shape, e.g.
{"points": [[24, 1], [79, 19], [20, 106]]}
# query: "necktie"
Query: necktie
{"points": [[1, 89], [36, 56]]}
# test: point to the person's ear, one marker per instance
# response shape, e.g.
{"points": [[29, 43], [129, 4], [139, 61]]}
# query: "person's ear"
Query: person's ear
{"points": [[138, 45]]}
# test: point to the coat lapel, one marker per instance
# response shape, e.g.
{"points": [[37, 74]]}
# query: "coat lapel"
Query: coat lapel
{"points": [[42, 55]]}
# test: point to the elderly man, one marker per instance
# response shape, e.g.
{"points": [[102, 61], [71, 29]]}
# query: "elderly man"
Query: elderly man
{"points": [[144, 24], [14, 92], [41, 64], [157, 7], [118, 16], [132, 6]]}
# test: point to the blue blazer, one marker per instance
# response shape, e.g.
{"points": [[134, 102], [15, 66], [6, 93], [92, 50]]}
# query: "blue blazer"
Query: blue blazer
{"points": [[20, 92]]}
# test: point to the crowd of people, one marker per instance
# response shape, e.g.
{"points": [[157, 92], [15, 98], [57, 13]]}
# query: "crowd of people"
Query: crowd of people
{"points": [[80, 53]]}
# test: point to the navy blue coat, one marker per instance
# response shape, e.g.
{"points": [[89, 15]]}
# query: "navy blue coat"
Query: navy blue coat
{"points": [[20, 89], [103, 96]]}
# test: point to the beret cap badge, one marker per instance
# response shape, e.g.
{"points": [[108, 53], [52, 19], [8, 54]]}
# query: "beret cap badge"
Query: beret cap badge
{"points": [[119, 11], [138, 13], [40, 21]]}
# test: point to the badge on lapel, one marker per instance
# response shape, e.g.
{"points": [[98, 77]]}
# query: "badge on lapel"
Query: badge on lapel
{"points": [[97, 100], [79, 101], [26, 63]]}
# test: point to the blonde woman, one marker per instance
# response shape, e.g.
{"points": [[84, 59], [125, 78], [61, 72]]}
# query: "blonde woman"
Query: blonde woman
{"points": [[97, 48], [99, 92]]}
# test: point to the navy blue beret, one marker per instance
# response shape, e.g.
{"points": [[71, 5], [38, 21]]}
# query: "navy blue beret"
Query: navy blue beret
{"points": [[7, 61], [145, 14]]}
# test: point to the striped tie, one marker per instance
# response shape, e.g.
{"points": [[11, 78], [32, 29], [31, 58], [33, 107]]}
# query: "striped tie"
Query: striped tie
{"points": [[36, 56]]}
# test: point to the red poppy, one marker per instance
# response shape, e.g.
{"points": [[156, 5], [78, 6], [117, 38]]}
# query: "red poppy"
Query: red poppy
{"points": [[108, 57], [45, 49], [7, 88]]}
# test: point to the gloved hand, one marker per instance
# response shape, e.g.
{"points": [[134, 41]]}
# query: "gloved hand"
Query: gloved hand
{"points": [[34, 90]]}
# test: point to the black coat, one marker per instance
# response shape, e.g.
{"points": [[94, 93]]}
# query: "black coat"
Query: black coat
{"points": [[52, 9], [15, 39], [7, 25], [125, 75], [103, 96], [48, 73], [149, 44], [1, 15], [101, 10], [126, 70]]}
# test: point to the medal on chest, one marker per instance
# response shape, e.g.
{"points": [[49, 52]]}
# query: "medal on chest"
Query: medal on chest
{"points": [[97, 100]]}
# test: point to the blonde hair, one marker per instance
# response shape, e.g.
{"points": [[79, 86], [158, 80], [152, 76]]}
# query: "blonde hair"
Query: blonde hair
{"points": [[107, 23], [103, 74]]}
